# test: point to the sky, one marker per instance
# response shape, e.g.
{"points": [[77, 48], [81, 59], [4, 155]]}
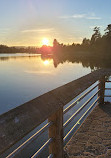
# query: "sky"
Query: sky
{"points": [[27, 22]]}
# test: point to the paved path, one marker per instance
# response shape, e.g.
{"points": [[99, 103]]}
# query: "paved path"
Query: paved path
{"points": [[93, 139]]}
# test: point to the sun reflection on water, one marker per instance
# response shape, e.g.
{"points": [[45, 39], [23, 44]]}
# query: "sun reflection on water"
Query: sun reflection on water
{"points": [[46, 62]]}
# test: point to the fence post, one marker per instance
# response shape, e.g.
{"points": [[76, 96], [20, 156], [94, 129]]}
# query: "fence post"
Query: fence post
{"points": [[102, 89], [56, 132]]}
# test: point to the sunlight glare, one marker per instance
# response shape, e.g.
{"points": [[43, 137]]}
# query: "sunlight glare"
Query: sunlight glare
{"points": [[45, 41], [46, 62]]}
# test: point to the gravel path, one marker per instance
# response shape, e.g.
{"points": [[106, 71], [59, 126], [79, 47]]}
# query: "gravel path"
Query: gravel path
{"points": [[93, 139]]}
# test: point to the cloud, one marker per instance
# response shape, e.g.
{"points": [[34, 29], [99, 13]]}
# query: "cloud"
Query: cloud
{"points": [[4, 30], [94, 18], [38, 30], [76, 16], [81, 16]]}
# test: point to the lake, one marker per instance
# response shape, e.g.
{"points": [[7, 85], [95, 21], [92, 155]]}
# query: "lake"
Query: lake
{"points": [[26, 76]]}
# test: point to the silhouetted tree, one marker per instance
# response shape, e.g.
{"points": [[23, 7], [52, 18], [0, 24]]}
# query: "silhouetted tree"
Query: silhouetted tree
{"points": [[108, 31], [96, 35], [55, 43], [86, 42], [6, 49]]}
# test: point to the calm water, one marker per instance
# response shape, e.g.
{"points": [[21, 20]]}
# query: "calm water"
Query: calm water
{"points": [[25, 76]]}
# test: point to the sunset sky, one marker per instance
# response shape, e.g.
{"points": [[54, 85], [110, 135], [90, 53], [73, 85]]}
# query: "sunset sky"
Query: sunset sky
{"points": [[27, 22]]}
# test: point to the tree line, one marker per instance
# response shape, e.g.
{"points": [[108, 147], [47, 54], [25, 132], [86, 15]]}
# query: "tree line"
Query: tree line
{"points": [[6, 49], [99, 45]]}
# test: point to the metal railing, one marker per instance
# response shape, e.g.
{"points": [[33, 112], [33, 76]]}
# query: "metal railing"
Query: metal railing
{"points": [[55, 125], [49, 124], [32, 138], [107, 89]]}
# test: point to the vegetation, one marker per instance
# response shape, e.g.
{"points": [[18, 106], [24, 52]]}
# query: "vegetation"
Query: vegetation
{"points": [[6, 49], [97, 45]]}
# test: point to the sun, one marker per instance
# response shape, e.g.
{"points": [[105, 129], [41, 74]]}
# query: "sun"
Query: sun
{"points": [[45, 41], [46, 62]]}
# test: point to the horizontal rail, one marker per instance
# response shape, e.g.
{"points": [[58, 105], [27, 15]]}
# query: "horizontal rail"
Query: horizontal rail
{"points": [[72, 129], [108, 81], [107, 88], [51, 156], [107, 96], [80, 98], [28, 141], [42, 148], [71, 118]]}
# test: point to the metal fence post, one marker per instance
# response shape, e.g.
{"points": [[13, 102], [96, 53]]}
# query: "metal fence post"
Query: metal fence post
{"points": [[102, 89], [56, 132]]}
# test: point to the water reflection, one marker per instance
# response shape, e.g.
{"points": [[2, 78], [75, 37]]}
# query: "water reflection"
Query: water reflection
{"points": [[92, 63], [23, 78], [5, 58], [46, 62]]}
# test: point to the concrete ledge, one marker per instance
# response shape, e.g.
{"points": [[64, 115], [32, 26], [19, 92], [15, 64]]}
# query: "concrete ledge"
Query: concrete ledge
{"points": [[16, 123]]}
